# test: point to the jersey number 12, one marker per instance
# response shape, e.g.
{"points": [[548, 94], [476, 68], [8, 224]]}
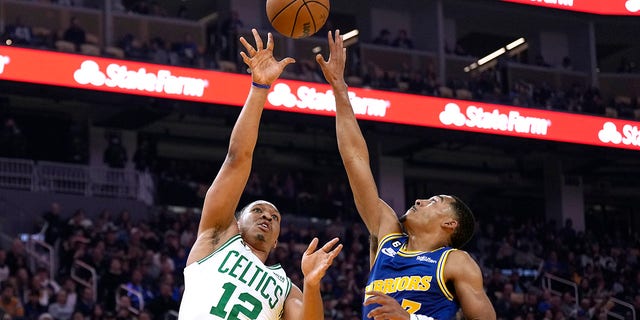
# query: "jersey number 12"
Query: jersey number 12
{"points": [[219, 309]]}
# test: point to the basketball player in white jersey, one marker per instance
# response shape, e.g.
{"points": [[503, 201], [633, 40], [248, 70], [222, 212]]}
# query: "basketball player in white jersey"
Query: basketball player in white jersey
{"points": [[226, 277]]}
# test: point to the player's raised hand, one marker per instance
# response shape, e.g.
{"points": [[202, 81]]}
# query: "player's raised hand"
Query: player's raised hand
{"points": [[389, 308], [265, 69], [316, 262], [333, 68]]}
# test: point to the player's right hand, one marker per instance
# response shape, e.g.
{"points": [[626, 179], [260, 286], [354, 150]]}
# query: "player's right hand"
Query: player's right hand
{"points": [[316, 262], [265, 69]]}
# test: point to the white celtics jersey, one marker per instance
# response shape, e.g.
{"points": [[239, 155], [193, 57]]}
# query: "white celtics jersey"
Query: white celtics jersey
{"points": [[232, 283]]}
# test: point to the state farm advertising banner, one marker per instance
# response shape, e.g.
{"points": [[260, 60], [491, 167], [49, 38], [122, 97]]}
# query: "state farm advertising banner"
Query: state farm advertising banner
{"points": [[604, 7], [128, 77]]}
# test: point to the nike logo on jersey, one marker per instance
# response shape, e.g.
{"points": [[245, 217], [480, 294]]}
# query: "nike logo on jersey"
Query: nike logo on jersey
{"points": [[426, 259], [388, 251]]}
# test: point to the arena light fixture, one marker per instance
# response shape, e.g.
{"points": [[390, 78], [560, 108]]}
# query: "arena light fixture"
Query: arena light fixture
{"points": [[489, 60]]}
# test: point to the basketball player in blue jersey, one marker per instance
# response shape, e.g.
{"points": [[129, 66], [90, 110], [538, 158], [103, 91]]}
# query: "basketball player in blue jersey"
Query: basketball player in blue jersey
{"points": [[226, 277], [417, 272]]}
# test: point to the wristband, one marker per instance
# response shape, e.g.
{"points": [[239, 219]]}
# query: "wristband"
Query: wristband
{"points": [[419, 317], [261, 86]]}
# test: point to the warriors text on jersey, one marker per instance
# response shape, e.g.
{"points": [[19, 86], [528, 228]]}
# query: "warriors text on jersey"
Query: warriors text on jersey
{"points": [[232, 283], [413, 278]]}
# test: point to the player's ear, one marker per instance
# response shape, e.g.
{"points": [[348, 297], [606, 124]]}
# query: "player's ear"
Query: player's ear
{"points": [[275, 244], [450, 223]]}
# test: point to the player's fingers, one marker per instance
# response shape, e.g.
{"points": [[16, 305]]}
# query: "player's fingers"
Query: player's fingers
{"points": [[269, 41], [256, 36], [344, 52], [286, 61], [334, 253], [245, 58], [320, 60], [330, 38], [247, 46], [377, 313], [338, 39], [327, 246], [312, 246]]}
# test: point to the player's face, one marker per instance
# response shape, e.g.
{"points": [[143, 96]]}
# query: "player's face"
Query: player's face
{"points": [[426, 210], [260, 224]]}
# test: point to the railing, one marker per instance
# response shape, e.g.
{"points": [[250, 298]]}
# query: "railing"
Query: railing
{"points": [[75, 179], [623, 305], [131, 292], [92, 281], [41, 254], [16, 174], [548, 281]]}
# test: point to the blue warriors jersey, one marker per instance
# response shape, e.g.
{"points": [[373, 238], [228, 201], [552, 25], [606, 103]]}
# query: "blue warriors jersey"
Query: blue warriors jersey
{"points": [[413, 278]]}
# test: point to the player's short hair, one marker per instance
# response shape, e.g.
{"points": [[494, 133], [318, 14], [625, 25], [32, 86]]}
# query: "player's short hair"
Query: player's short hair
{"points": [[466, 223], [246, 208]]}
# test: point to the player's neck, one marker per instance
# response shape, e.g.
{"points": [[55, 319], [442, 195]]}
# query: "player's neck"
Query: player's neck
{"points": [[261, 254], [425, 242]]}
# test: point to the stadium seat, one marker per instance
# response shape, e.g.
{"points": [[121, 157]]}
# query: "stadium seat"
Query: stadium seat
{"points": [[92, 38], [90, 49], [65, 46], [227, 66], [114, 52], [445, 92], [464, 94], [610, 112]]}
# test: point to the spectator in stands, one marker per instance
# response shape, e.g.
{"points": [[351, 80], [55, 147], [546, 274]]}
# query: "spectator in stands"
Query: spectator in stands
{"points": [[188, 50], [60, 309], [12, 141], [85, 302], [33, 308], [19, 33], [4, 267], [163, 302], [16, 256], [402, 40], [75, 33], [115, 155], [9, 302], [383, 38], [109, 284], [230, 33], [54, 226], [136, 284]]}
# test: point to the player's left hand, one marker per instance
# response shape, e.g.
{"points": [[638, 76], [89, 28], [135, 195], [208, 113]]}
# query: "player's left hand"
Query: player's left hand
{"points": [[389, 308], [316, 262]]}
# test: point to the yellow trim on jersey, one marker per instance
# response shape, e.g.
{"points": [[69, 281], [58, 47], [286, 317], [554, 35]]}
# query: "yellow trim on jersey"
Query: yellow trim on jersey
{"points": [[440, 274], [386, 239]]}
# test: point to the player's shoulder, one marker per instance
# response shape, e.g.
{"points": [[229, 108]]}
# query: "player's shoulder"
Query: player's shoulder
{"points": [[210, 241], [460, 263]]}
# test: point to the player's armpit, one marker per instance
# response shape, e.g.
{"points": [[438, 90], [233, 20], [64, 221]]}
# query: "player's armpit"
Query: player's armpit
{"points": [[466, 276]]}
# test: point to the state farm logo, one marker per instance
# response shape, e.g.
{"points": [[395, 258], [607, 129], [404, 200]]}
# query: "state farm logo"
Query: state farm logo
{"points": [[4, 60], [632, 5], [308, 98], [118, 76], [609, 134], [476, 117]]}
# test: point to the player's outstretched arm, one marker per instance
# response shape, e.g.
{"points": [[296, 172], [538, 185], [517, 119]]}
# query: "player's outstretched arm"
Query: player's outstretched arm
{"points": [[224, 193], [466, 276], [307, 304], [378, 217]]}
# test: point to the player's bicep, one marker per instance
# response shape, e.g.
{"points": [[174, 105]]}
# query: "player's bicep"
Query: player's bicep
{"points": [[224, 194], [466, 276], [293, 304]]}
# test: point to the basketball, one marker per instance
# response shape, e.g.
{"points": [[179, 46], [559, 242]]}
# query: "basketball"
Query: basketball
{"points": [[297, 18]]}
